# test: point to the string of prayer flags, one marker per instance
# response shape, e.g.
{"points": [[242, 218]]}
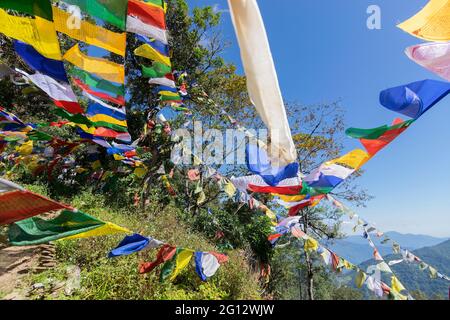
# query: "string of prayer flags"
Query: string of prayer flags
{"points": [[376, 139], [67, 225], [52, 68], [432, 56], [383, 266], [147, 18], [431, 23], [259, 163], [370, 228], [89, 33], [337, 263], [61, 94], [100, 67], [175, 259], [321, 181], [111, 11], [416, 98], [38, 32]]}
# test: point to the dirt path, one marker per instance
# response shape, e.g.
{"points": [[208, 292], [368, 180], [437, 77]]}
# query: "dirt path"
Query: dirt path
{"points": [[17, 262]]}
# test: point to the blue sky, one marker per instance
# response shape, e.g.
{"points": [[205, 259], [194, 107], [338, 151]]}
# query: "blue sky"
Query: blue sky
{"points": [[323, 51]]}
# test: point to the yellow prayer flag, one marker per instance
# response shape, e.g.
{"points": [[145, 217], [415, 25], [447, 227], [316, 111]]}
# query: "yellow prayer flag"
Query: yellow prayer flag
{"points": [[182, 260], [348, 265], [26, 148], [107, 229], [85, 128], [118, 157], [90, 33], [148, 52], [201, 198], [396, 285], [107, 119], [229, 189], [431, 23], [287, 198], [96, 165], [103, 68], [354, 159], [140, 172], [360, 278], [39, 33], [169, 94], [311, 245]]}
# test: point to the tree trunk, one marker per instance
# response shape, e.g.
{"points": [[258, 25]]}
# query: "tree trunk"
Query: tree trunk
{"points": [[310, 276], [309, 265]]}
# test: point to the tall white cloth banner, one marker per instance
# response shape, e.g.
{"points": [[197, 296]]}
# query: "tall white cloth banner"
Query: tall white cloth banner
{"points": [[262, 81]]}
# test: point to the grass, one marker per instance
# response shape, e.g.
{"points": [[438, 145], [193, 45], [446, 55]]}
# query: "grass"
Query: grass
{"points": [[118, 278]]}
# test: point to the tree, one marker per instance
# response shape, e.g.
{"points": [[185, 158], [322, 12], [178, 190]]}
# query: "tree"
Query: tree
{"points": [[197, 46]]}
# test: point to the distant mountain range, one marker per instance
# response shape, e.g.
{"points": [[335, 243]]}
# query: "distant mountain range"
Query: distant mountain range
{"points": [[356, 249]]}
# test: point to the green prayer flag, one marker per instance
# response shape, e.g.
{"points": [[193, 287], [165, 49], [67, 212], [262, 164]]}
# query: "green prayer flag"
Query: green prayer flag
{"points": [[40, 8], [108, 125], [157, 70], [169, 267], [35, 230], [75, 118], [110, 11], [39, 136], [170, 98], [101, 84], [375, 133], [11, 139]]}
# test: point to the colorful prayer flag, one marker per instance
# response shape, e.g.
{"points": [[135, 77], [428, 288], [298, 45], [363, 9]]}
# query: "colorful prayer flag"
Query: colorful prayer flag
{"points": [[52, 68], [432, 23], [103, 68], [39, 33], [90, 33], [416, 98], [67, 225]]}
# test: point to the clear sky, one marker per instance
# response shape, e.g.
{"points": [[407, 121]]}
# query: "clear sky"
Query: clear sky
{"points": [[323, 51]]}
